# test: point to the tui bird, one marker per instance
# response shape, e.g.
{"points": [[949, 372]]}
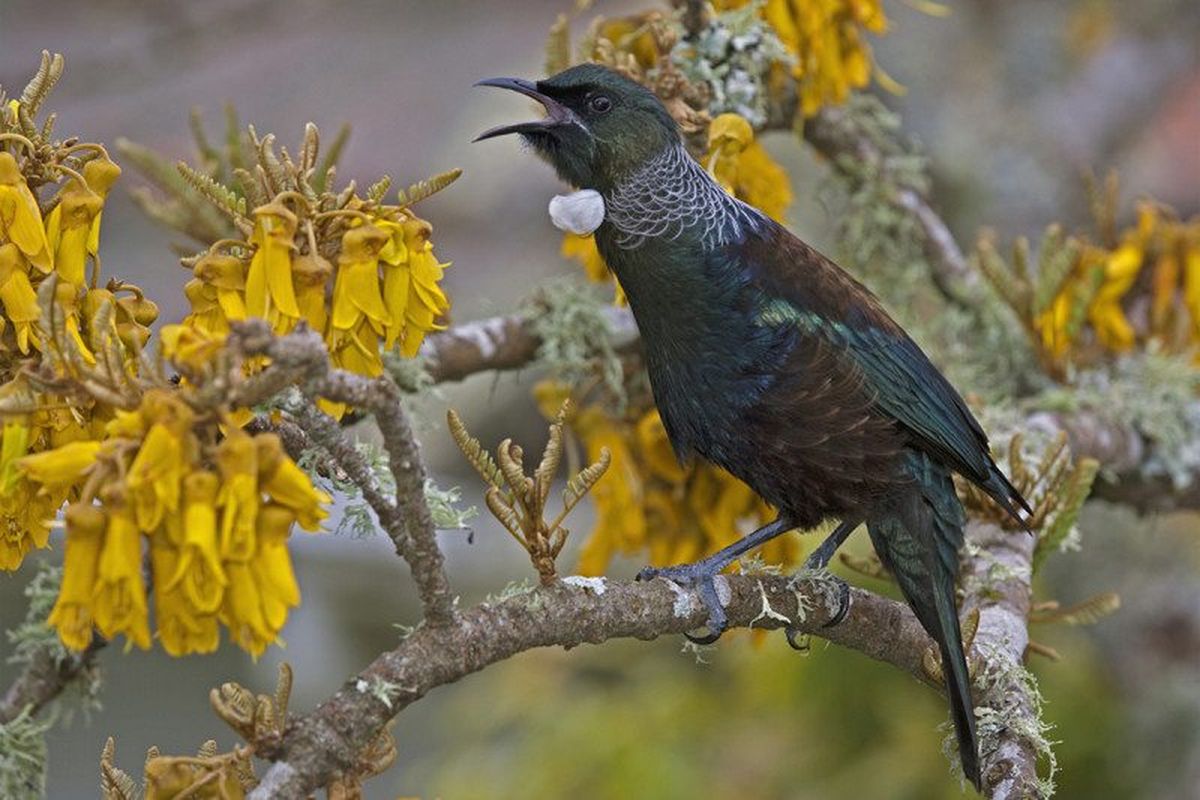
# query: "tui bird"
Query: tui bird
{"points": [[768, 360]]}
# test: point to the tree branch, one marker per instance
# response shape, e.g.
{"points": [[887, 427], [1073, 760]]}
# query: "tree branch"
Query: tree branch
{"points": [[575, 611], [45, 677]]}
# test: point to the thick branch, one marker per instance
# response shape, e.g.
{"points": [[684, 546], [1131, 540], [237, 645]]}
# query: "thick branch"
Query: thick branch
{"points": [[325, 742], [501, 343], [996, 580], [572, 612]]}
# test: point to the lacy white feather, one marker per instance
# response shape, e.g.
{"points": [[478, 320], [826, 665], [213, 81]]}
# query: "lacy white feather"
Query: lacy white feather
{"points": [[672, 194]]}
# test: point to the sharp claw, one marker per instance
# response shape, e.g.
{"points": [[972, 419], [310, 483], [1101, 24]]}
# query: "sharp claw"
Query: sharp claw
{"points": [[791, 634], [704, 581], [843, 604]]}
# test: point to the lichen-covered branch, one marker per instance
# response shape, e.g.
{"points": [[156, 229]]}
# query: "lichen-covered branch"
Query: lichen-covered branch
{"points": [[501, 343], [47, 674], [997, 572], [578, 611]]}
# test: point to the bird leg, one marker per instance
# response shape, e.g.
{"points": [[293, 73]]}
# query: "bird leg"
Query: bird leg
{"points": [[819, 559], [702, 575]]}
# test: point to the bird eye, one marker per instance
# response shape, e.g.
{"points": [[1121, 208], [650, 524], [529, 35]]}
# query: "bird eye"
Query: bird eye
{"points": [[599, 103]]}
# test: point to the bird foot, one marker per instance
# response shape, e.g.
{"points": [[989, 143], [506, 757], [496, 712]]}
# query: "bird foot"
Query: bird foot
{"points": [[700, 576], [819, 561]]}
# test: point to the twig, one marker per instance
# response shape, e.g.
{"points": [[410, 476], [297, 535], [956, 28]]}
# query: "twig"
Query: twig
{"points": [[45, 677], [300, 359]]}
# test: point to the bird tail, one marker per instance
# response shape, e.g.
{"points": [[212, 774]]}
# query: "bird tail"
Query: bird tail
{"points": [[917, 536]]}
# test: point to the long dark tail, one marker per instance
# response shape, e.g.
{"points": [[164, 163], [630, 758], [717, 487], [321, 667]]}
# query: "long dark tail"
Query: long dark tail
{"points": [[917, 535]]}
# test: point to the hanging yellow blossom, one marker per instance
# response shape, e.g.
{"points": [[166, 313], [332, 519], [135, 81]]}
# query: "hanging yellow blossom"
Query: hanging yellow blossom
{"points": [[20, 217], [269, 291], [72, 615], [119, 603], [288, 485], [238, 496], [198, 567], [157, 471], [69, 229], [182, 630], [19, 299], [272, 565], [100, 174]]}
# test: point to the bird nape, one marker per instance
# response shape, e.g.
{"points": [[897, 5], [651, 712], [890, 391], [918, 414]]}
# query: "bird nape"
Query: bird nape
{"points": [[768, 360]]}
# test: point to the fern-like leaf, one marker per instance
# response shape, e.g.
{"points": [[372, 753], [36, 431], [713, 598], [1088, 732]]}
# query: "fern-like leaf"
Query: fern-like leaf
{"points": [[477, 457], [1072, 495], [1089, 612], [222, 197], [422, 190], [38, 89]]}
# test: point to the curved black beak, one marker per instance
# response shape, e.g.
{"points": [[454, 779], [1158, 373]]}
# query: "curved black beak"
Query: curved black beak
{"points": [[556, 113]]}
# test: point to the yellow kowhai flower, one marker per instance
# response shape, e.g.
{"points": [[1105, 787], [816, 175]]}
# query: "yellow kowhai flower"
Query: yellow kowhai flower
{"points": [[620, 520], [119, 602], [238, 497], [744, 168], [655, 449], [198, 568], [287, 485], [207, 314], [25, 518], [100, 175], [12, 450], [193, 349], [269, 290], [20, 216], [410, 285], [311, 273], [72, 614], [162, 460], [356, 292], [226, 275], [272, 566], [1106, 315], [69, 228], [242, 610], [67, 300], [18, 296], [181, 629], [61, 467]]}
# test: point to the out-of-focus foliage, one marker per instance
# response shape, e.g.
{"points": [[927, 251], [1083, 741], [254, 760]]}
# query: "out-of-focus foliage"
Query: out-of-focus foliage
{"points": [[1091, 296]]}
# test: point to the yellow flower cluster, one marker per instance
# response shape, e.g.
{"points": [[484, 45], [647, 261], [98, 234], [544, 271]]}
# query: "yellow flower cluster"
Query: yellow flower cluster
{"points": [[649, 505], [369, 283], [56, 245], [1152, 268], [827, 39], [216, 511]]}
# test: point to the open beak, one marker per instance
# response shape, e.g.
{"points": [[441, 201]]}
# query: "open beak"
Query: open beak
{"points": [[556, 113]]}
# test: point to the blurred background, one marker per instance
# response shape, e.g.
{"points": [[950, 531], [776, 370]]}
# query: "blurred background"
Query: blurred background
{"points": [[1014, 100]]}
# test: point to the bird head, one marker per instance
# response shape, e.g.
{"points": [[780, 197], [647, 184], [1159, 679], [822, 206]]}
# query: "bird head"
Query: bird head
{"points": [[599, 125]]}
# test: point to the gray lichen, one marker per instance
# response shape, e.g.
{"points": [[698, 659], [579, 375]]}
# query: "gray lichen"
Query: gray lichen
{"points": [[732, 55]]}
